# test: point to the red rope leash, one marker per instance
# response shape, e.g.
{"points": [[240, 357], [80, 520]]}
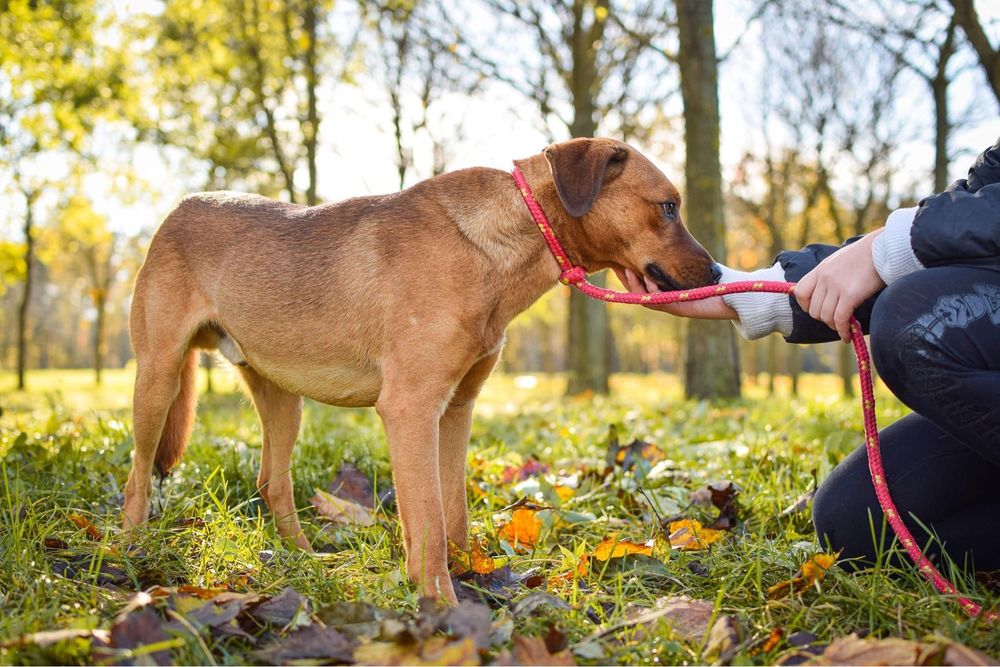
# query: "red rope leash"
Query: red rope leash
{"points": [[577, 277]]}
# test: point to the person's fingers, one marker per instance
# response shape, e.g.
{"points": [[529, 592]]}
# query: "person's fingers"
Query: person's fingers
{"points": [[635, 283], [829, 307], [816, 301], [804, 290], [842, 319], [651, 287]]}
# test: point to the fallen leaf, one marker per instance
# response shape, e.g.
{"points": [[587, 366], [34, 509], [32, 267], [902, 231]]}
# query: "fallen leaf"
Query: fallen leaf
{"points": [[523, 529], [353, 485], [723, 496], [475, 559], [530, 468], [84, 524], [772, 641], [853, 650], [434, 651], [312, 642], [340, 511], [689, 535], [613, 548], [564, 492], [55, 544], [958, 654], [469, 620], [282, 609], [533, 651], [527, 605], [724, 639], [495, 588], [138, 629], [687, 617], [812, 571]]}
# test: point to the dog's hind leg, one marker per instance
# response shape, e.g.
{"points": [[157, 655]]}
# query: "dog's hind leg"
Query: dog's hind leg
{"points": [[280, 415], [162, 415], [455, 424]]}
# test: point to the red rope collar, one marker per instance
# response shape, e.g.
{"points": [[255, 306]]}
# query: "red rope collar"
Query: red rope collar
{"points": [[576, 276]]}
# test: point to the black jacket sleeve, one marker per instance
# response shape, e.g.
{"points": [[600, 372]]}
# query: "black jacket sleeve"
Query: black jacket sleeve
{"points": [[962, 224], [796, 264]]}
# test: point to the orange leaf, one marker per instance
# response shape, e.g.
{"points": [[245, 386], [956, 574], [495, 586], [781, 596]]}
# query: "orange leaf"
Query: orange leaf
{"points": [[689, 535], [581, 570], [522, 530], [813, 570], [611, 548], [475, 559], [84, 524]]}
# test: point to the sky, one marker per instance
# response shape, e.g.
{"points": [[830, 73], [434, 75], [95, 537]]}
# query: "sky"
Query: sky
{"points": [[357, 158]]}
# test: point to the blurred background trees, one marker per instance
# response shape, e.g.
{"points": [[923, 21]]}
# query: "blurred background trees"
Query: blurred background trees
{"points": [[784, 122]]}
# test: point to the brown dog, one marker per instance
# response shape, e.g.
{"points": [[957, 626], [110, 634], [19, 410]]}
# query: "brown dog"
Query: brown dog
{"points": [[398, 301]]}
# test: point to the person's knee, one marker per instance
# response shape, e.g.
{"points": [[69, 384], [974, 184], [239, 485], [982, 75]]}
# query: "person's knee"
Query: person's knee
{"points": [[842, 524], [901, 342]]}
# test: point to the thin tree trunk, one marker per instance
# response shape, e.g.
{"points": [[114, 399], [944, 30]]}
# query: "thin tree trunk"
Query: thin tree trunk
{"points": [[22, 311], [310, 130], [989, 57], [589, 335], [712, 365], [100, 303], [942, 123]]}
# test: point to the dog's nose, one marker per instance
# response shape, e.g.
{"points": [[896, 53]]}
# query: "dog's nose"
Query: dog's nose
{"points": [[716, 274]]}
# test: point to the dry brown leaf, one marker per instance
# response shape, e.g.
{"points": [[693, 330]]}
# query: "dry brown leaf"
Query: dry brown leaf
{"points": [[312, 642], [687, 617], [812, 570], [689, 535], [612, 548], [853, 650], [339, 510], [353, 485], [533, 651], [523, 529], [84, 523], [958, 654]]}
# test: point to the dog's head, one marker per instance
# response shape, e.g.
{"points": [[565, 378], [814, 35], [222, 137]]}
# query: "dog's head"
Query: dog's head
{"points": [[619, 211]]}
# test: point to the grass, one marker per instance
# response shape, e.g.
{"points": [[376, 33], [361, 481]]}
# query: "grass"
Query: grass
{"points": [[65, 449]]}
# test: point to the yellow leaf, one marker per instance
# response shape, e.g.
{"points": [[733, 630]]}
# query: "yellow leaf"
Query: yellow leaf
{"points": [[610, 548], [435, 651], [812, 570], [564, 492], [522, 530], [689, 535], [339, 510]]}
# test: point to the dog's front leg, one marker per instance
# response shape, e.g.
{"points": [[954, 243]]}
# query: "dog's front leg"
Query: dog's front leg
{"points": [[411, 418]]}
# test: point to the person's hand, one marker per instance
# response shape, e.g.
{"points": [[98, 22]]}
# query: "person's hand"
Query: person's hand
{"points": [[839, 284], [712, 308]]}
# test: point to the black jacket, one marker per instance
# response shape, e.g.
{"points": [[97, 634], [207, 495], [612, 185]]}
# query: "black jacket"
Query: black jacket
{"points": [[958, 226]]}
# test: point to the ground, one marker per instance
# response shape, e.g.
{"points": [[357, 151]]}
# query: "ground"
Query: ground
{"points": [[64, 456]]}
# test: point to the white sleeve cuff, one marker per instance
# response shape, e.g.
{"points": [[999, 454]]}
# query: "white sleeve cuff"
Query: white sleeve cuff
{"points": [[891, 250], [760, 313]]}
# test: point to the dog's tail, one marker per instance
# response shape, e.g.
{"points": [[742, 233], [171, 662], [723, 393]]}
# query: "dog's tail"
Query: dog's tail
{"points": [[180, 418]]}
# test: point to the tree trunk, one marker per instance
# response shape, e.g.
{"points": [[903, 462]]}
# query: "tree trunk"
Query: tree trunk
{"points": [[22, 311], [100, 303], [845, 362], [310, 129], [989, 57], [712, 365], [942, 123], [589, 334]]}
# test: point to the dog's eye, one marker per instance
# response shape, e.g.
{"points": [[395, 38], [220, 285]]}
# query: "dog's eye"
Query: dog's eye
{"points": [[669, 209]]}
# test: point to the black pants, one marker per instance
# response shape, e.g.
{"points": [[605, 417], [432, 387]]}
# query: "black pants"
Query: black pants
{"points": [[935, 339]]}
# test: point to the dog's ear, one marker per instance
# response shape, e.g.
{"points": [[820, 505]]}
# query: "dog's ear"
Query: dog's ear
{"points": [[580, 168]]}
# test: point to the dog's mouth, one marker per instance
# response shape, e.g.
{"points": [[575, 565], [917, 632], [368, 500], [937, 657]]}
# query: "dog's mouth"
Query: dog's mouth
{"points": [[660, 277]]}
